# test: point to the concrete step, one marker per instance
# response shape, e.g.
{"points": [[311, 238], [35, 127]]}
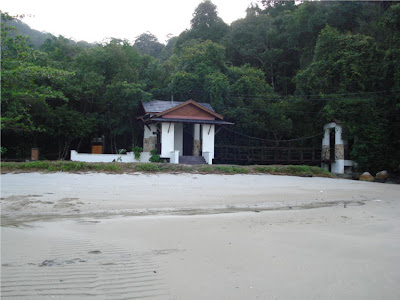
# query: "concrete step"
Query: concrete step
{"points": [[192, 160]]}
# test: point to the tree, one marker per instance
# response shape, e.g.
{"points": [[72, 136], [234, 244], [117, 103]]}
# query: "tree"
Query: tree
{"points": [[194, 67], [147, 43], [341, 63], [205, 25], [27, 86], [122, 101]]}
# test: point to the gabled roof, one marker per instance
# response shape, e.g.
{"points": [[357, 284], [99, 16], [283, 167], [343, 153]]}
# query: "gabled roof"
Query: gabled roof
{"points": [[180, 112], [158, 106], [189, 103]]}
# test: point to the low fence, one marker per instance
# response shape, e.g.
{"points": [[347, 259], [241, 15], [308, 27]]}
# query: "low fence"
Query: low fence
{"points": [[129, 157]]}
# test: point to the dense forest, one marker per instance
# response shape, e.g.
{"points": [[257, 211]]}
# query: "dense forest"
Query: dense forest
{"points": [[280, 73]]}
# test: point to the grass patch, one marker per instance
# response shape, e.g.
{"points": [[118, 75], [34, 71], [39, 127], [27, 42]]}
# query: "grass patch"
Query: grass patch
{"points": [[301, 170], [231, 169], [149, 167], [59, 166], [116, 167], [224, 169]]}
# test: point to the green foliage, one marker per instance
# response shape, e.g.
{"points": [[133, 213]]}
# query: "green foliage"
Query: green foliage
{"points": [[137, 150], [205, 25], [60, 166], [147, 43], [342, 62], [301, 170], [155, 158]]}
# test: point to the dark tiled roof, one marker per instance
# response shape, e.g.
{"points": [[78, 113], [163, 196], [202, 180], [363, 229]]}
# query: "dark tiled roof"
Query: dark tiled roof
{"points": [[218, 122], [157, 106]]}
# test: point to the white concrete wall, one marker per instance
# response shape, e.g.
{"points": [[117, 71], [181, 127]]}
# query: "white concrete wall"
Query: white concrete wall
{"points": [[330, 125], [338, 135], [174, 159], [167, 139], [129, 157], [144, 157], [207, 136], [338, 166], [326, 138], [208, 156], [150, 132], [178, 138]]}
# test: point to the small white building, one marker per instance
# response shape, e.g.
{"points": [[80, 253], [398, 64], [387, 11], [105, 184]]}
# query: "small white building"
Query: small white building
{"points": [[335, 150], [182, 132]]}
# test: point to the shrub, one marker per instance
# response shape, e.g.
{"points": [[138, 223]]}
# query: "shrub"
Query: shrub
{"points": [[154, 156], [137, 150]]}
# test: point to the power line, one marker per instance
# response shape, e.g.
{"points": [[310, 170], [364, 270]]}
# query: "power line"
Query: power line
{"points": [[295, 99], [298, 111]]}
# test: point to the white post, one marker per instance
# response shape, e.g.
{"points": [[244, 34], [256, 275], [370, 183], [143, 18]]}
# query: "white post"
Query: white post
{"points": [[174, 159], [338, 165], [208, 157], [178, 137], [208, 140], [167, 139]]}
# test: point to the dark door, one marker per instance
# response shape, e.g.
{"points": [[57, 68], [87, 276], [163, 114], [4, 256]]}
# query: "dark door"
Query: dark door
{"points": [[332, 145], [187, 139], [158, 143]]}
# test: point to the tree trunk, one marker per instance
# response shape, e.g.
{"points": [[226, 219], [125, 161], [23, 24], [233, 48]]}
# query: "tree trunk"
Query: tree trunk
{"points": [[79, 144]]}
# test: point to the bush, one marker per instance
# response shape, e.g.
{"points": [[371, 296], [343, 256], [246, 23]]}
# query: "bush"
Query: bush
{"points": [[137, 150], [154, 156]]}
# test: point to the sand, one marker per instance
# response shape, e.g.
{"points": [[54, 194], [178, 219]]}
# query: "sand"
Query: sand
{"points": [[166, 236]]}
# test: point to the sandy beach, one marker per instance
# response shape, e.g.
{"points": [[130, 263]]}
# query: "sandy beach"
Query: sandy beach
{"points": [[192, 236]]}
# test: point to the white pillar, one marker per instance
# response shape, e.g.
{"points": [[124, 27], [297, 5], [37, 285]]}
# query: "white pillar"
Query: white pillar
{"points": [[338, 135], [174, 157], [208, 135], [178, 138], [338, 165], [167, 139], [326, 139]]}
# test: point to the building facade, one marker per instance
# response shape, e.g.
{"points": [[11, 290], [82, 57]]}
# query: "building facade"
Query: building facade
{"points": [[181, 132]]}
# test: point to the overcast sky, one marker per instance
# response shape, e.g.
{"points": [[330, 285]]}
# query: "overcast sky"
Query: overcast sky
{"points": [[95, 20]]}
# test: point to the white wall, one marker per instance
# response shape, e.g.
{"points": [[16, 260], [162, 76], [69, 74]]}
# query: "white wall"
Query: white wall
{"points": [[150, 132], [129, 157], [174, 159], [178, 138], [207, 136], [338, 166], [326, 138], [167, 139]]}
